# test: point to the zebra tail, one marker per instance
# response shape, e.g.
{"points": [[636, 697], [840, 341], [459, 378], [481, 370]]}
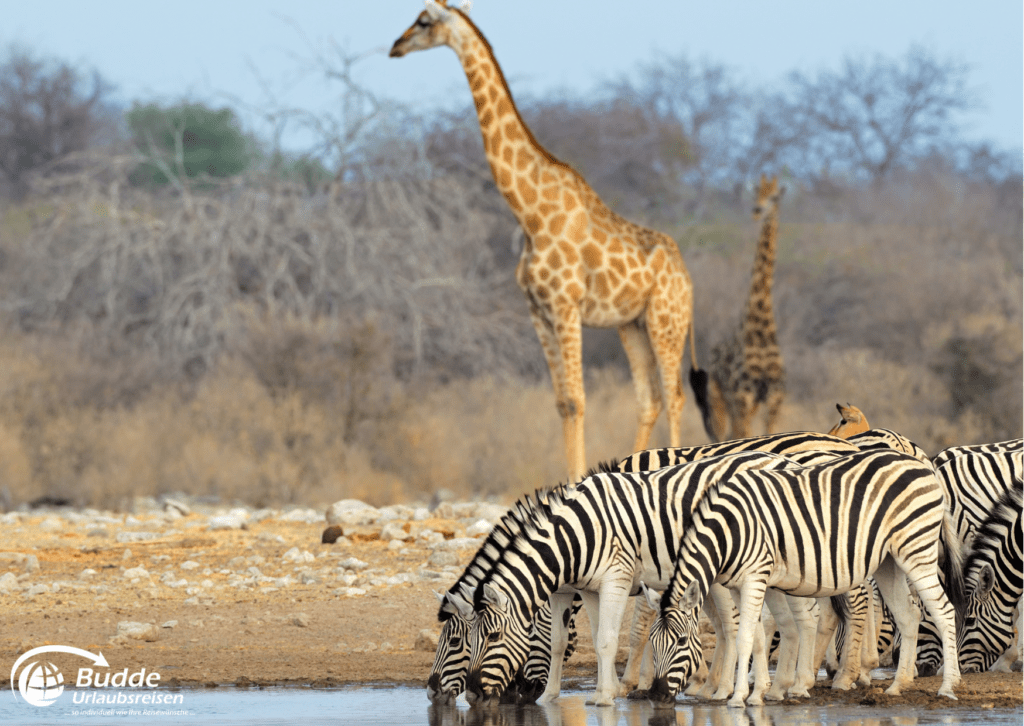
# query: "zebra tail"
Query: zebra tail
{"points": [[841, 605], [699, 384], [953, 564]]}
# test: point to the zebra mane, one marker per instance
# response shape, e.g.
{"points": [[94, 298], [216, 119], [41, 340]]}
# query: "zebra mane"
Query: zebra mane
{"points": [[888, 439], [991, 535], [605, 467], [522, 515]]}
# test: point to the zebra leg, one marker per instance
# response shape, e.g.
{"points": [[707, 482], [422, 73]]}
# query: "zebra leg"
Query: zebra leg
{"points": [[639, 632], [751, 599], [704, 681], [1011, 657], [560, 603], [785, 671], [896, 594], [723, 665], [762, 679], [869, 646], [805, 613], [933, 597], [828, 621], [613, 594], [849, 659]]}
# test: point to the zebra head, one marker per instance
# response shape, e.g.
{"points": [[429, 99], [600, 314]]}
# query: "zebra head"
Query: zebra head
{"points": [[451, 661], [499, 638], [675, 643], [988, 622], [993, 585]]}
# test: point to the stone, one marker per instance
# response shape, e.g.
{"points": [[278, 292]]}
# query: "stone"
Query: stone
{"points": [[351, 511], [332, 534], [427, 641], [127, 630]]}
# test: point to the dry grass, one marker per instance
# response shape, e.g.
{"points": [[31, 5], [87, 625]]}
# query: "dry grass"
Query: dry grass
{"points": [[272, 346]]}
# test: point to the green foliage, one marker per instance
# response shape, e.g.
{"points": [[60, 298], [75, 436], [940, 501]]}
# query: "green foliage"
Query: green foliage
{"points": [[188, 140]]}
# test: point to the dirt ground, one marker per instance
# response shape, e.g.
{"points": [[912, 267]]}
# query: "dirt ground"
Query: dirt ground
{"points": [[298, 634]]}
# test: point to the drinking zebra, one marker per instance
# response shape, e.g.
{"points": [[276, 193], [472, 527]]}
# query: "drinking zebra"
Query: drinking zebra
{"points": [[805, 447], [602, 536], [974, 479], [451, 659], [993, 584], [812, 532]]}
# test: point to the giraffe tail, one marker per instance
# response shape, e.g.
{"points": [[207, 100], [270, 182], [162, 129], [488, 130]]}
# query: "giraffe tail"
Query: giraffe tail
{"points": [[699, 384]]}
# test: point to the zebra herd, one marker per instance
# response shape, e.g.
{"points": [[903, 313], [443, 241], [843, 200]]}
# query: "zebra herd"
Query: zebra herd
{"points": [[805, 523]]}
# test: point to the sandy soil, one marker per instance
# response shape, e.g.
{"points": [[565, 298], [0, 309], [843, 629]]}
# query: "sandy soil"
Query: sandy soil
{"points": [[297, 634]]}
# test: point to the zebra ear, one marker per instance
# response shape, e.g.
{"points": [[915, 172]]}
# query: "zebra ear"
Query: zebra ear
{"points": [[652, 597], [463, 608], [494, 596], [986, 580], [439, 596], [691, 597]]}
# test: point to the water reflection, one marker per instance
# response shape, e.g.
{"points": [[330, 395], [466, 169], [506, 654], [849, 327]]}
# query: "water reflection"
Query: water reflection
{"points": [[572, 711]]}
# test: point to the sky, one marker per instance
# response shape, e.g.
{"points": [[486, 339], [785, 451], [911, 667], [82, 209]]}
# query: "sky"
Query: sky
{"points": [[242, 52]]}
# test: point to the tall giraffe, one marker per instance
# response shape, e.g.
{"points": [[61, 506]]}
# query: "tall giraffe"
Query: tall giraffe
{"points": [[746, 370], [581, 263]]}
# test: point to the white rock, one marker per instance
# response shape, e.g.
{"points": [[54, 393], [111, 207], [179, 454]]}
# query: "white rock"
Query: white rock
{"points": [[226, 521], [394, 530], [173, 505], [351, 511], [189, 565], [31, 564], [296, 555], [491, 512], [480, 527], [133, 572], [351, 563], [127, 630], [307, 516], [124, 537], [442, 558], [37, 590]]}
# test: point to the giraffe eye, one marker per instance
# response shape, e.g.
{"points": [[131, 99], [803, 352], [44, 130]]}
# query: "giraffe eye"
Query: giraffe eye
{"points": [[422, 21]]}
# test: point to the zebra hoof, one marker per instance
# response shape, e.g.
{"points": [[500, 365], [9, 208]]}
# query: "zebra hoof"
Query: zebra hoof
{"points": [[948, 693], [1018, 666]]}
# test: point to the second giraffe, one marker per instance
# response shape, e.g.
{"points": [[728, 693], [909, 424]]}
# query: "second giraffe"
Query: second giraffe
{"points": [[746, 370], [581, 264]]}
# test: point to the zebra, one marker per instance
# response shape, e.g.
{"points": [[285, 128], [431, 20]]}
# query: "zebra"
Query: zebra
{"points": [[994, 583], [451, 659], [879, 638], [952, 452], [805, 447], [602, 535], [875, 439], [811, 532], [973, 479]]}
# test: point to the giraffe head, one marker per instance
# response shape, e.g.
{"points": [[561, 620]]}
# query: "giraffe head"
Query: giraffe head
{"points": [[436, 25], [768, 195]]}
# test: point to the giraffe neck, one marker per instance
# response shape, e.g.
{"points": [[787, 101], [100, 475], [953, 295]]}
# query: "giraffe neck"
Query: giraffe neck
{"points": [[760, 319], [511, 149]]}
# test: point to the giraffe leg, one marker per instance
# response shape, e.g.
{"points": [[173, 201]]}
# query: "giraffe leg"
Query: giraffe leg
{"points": [[561, 340], [742, 412], [668, 340], [642, 366], [773, 406], [719, 410]]}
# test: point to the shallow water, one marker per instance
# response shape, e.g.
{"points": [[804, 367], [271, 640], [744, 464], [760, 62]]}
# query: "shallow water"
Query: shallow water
{"points": [[389, 705]]}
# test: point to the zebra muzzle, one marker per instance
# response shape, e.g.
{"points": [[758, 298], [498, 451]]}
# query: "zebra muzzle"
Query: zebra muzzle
{"points": [[661, 692]]}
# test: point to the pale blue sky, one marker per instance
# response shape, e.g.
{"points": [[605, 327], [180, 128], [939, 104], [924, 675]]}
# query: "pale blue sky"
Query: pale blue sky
{"points": [[208, 49]]}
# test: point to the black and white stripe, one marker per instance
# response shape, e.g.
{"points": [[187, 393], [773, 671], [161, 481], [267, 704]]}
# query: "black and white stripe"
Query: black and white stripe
{"points": [[602, 536], [994, 584], [974, 479], [812, 531]]}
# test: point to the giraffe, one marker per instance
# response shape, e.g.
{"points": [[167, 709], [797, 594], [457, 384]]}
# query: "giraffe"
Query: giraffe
{"points": [[581, 264], [746, 370], [852, 421]]}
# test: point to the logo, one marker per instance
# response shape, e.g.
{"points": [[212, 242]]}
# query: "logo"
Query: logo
{"points": [[40, 682]]}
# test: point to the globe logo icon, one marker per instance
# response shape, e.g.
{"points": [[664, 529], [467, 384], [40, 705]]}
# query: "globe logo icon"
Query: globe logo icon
{"points": [[41, 683]]}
